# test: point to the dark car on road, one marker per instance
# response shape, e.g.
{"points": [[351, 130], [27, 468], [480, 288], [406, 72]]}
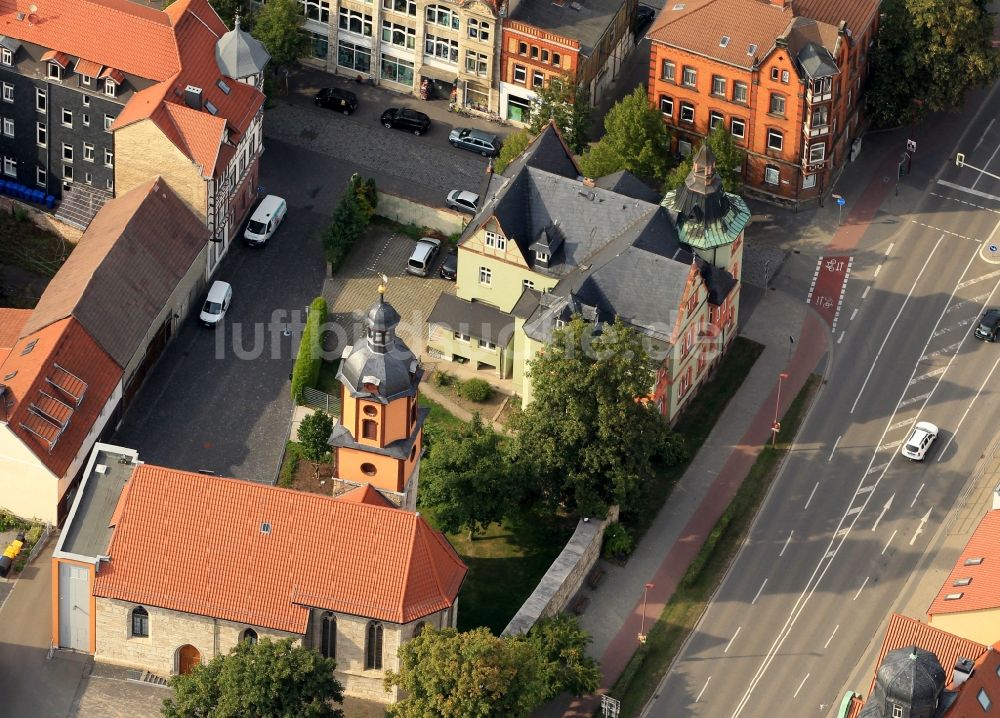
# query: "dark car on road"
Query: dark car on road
{"points": [[989, 326], [403, 118], [478, 141], [449, 267], [333, 98], [644, 15]]}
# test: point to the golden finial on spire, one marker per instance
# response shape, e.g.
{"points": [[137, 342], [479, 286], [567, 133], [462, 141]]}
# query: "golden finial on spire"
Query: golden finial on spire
{"points": [[381, 287]]}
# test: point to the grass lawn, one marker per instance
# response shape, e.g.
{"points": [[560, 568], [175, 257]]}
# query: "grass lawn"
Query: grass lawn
{"points": [[25, 245], [682, 612], [507, 561], [695, 424]]}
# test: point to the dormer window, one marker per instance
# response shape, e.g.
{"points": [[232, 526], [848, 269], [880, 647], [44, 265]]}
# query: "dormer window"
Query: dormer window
{"points": [[110, 87], [54, 71], [541, 257], [6, 56]]}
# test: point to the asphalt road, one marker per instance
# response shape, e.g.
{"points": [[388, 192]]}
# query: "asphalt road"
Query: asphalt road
{"points": [[833, 549]]}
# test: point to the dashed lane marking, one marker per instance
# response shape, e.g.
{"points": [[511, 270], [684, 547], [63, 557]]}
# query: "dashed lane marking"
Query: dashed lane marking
{"points": [[946, 231]]}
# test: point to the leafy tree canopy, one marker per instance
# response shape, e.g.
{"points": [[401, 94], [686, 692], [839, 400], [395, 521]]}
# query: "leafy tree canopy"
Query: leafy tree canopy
{"points": [[277, 24], [587, 438], [928, 54], [475, 674], [568, 104], [463, 481], [314, 433], [266, 678], [513, 145], [636, 139]]}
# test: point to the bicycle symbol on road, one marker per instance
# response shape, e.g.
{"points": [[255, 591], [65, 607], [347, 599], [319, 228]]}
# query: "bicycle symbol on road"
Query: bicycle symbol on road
{"points": [[835, 265], [824, 302]]}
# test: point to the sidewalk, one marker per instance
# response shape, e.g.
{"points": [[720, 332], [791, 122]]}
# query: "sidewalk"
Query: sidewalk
{"points": [[614, 615]]}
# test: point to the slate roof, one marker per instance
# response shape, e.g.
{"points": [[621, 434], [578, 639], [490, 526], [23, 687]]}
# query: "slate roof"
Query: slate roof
{"points": [[982, 591], [546, 151], [194, 543], [382, 359], [124, 269], [473, 318], [240, 54], [582, 20], [813, 45], [625, 183], [63, 374]]}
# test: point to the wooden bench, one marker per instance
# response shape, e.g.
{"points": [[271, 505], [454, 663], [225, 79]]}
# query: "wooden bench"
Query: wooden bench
{"points": [[580, 605], [595, 577]]}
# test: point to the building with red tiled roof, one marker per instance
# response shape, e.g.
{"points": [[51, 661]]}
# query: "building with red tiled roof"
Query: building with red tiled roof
{"points": [[116, 93], [784, 78], [923, 671], [68, 367], [968, 602], [181, 566]]}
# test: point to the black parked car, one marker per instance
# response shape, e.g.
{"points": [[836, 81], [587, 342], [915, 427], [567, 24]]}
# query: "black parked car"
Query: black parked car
{"points": [[333, 98], [403, 118], [449, 267], [644, 15], [989, 326]]}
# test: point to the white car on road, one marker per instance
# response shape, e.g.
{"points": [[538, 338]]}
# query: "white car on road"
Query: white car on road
{"points": [[919, 441]]}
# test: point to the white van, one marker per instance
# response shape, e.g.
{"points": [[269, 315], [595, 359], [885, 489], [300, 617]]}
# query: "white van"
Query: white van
{"points": [[265, 220], [220, 296]]}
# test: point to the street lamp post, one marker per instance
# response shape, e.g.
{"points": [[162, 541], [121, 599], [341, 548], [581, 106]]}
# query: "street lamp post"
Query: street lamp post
{"points": [[776, 426], [642, 625]]}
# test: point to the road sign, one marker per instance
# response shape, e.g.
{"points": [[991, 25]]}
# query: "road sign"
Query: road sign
{"points": [[841, 201], [776, 427], [960, 159], [994, 248], [911, 146]]}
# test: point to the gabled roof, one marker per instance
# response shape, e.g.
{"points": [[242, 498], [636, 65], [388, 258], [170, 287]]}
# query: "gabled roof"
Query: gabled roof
{"points": [[546, 151], [132, 37], [473, 318], [11, 323], [61, 381], [626, 183], [262, 555], [366, 494], [699, 26], [856, 13], [980, 564], [985, 677], [124, 269]]}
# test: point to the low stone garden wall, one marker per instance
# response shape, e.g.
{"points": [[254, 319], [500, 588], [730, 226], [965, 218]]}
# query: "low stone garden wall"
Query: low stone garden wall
{"points": [[407, 211]]}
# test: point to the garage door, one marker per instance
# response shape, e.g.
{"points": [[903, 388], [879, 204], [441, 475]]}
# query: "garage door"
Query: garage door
{"points": [[74, 607]]}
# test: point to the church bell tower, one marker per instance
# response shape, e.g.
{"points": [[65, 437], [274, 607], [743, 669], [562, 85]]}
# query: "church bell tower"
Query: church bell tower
{"points": [[380, 435]]}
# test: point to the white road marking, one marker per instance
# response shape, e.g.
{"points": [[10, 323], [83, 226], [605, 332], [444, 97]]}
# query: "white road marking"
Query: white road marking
{"points": [[916, 495], [896, 319], [834, 448], [911, 400], [967, 409], [833, 547], [841, 337], [970, 282], [835, 629], [796, 695], [885, 509], [732, 639], [877, 270], [864, 294], [886, 547], [960, 188], [702, 690], [787, 541], [900, 424], [982, 172], [928, 375], [861, 589], [985, 132], [810, 496], [758, 592], [880, 467], [962, 201], [853, 314], [946, 231], [920, 529], [866, 489], [944, 350], [888, 249]]}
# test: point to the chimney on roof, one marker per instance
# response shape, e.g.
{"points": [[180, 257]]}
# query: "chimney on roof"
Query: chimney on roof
{"points": [[962, 672], [781, 3], [192, 97]]}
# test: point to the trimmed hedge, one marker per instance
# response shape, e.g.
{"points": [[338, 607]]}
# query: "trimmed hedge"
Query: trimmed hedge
{"points": [[350, 218], [477, 390], [310, 357]]}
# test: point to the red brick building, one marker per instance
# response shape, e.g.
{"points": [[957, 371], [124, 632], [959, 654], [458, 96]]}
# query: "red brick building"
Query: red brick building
{"points": [[585, 39], [785, 78]]}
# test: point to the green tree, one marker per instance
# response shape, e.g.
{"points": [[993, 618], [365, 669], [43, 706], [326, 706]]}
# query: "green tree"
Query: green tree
{"points": [[513, 145], [314, 433], [265, 678], [585, 438], [729, 158], [562, 645], [561, 99], [474, 674], [636, 139], [278, 25], [928, 54], [462, 480]]}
